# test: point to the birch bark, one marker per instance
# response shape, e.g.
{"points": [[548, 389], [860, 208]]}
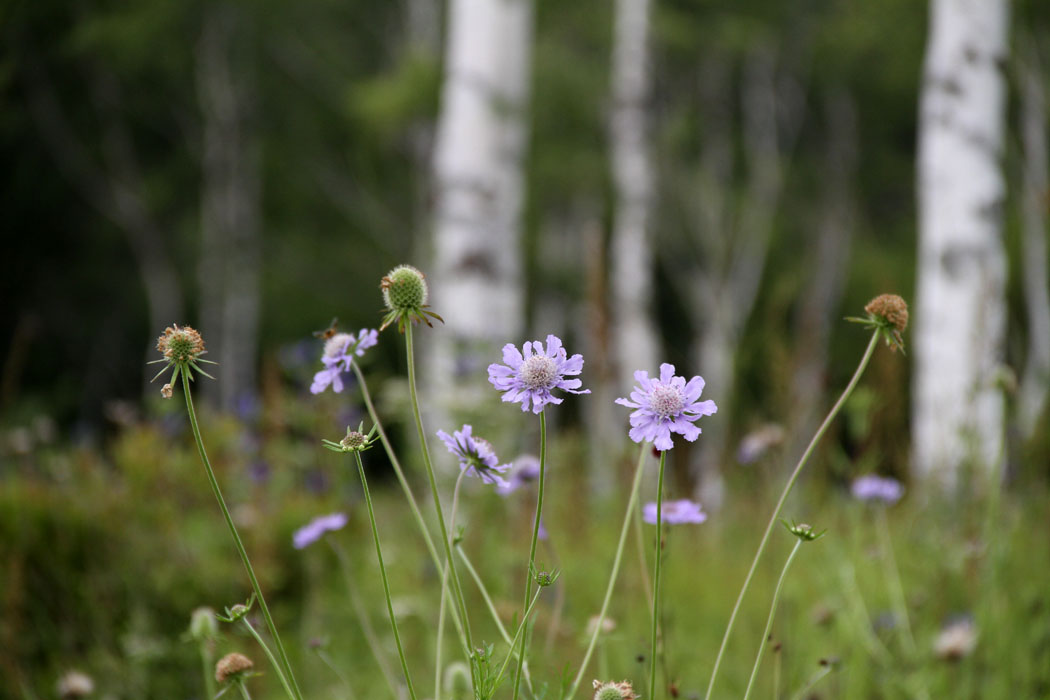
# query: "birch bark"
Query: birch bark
{"points": [[960, 308], [230, 210], [477, 272]]}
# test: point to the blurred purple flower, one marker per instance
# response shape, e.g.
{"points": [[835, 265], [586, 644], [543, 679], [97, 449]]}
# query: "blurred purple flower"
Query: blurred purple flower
{"points": [[476, 456], [532, 376], [675, 512], [666, 405], [526, 469], [876, 488], [339, 352], [312, 531]]}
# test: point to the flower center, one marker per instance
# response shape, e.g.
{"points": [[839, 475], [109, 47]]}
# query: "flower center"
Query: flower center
{"points": [[666, 401], [336, 345], [538, 372]]}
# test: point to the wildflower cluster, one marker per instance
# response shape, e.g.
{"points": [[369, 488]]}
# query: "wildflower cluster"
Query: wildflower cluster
{"points": [[530, 375], [339, 353], [666, 405]]}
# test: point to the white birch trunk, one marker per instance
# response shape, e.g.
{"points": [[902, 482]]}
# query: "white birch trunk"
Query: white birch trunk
{"points": [[960, 307], [477, 272], [230, 217], [634, 335], [1035, 381]]}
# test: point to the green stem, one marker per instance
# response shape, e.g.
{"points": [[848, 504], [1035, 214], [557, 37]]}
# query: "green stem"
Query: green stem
{"points": [[208, 668], [244, 690], [894, 579], [444, 591], [783, 497], [417, 515], [532, 547], [361, 613], [382, 573], [643, 562], [449, 560], [285, 664], [269, 654], [518, 633], [638, 471], [769, 620], [492, 609], [656, 575]]}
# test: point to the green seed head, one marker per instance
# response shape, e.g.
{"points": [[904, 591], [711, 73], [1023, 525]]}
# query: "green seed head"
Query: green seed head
{"points": [[404, 289], [203, 624], [614, 691], [353, 440], [180, 345]]}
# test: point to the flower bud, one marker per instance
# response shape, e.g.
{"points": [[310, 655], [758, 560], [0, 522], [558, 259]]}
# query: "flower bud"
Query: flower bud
{"points": [[203, 624], [614, 691]]}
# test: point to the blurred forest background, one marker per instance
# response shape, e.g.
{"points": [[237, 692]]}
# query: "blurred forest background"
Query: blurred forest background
{"points": [[705, 183]]}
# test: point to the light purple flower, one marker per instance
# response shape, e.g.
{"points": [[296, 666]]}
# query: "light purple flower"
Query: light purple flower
{"points": [[877, 488], [666, 405], [476, 456], [675, 512], [339, 352], [312, 531], [526, 469], [531, 377]]}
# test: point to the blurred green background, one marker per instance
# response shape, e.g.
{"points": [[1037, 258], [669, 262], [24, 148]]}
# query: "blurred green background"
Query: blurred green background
{"points": [[109, 537]]}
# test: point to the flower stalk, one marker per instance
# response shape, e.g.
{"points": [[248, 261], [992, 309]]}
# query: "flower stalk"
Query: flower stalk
{"points": [[285, 666], [532, 547], [656, 575], [631, 505], [878, 332]]}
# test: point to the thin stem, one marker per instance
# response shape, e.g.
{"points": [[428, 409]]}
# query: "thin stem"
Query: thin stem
{"points": [[769, 620], [535, 539], [371, 638], [643, 562], [269, 654], [783, 497], [813, 680], [492, 609], [521, 626], [444, 591], [894, 578], [417, 515], [450, 561], [382, 573], [244, 690], [656, 575], [208, 668], [285, 664], [638, 471]]}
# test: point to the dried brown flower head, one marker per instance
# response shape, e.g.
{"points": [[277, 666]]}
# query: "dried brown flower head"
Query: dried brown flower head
{"points": [[232, 666], [890, 307], [614, 691]]}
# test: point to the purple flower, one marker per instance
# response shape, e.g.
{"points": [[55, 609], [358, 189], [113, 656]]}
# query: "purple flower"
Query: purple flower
{"points": [[312, 531], [666, 405], [476, 456], [675, 512], [876, 488], [339, 352], [532, 377], [526, 470]]}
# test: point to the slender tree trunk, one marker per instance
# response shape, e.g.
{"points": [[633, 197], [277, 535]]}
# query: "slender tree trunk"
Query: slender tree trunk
{"points": [[1035, 381], [230, 207], [960, 313], [477, 274], [634, 334], [112, 187], [829, 265]]}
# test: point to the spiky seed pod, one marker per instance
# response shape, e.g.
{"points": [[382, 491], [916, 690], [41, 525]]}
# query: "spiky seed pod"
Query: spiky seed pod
{"points": [[405, 295]]}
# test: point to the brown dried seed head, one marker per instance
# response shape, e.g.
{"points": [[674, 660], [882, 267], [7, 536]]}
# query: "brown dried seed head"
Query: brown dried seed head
{"points": [[180, 345], [890, 307], [232, 665]]}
